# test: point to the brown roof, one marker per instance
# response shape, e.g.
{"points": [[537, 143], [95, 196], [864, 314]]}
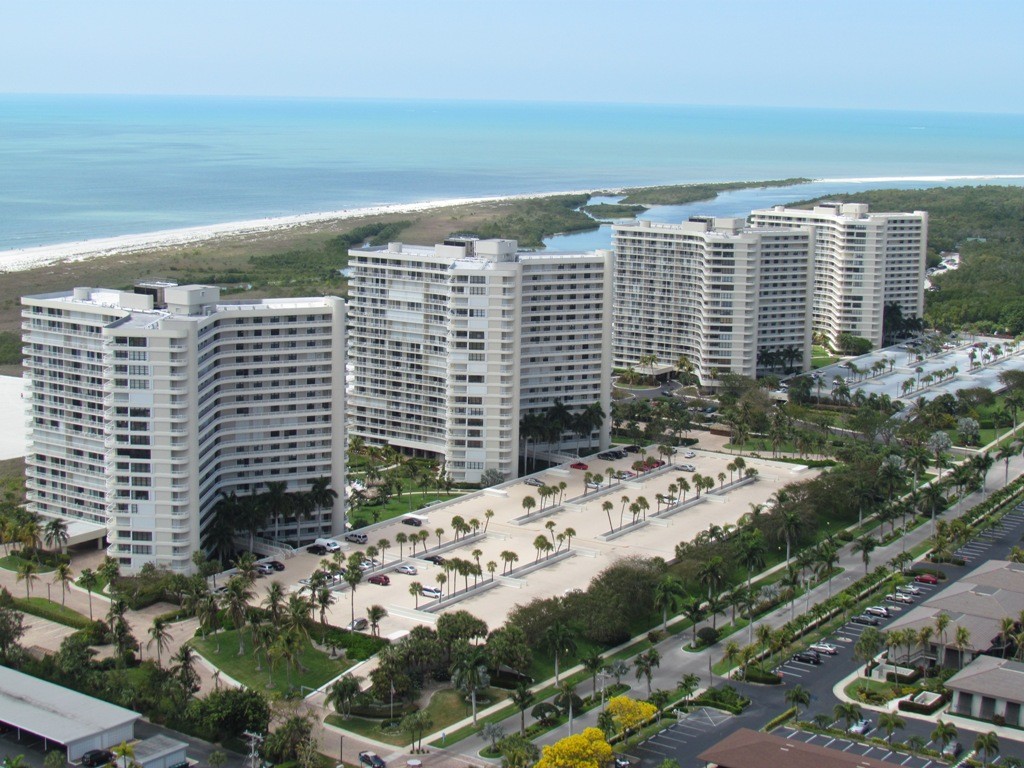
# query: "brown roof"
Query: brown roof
{"points": [[751, 749]]}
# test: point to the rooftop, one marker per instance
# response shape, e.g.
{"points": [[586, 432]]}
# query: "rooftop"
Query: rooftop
{"points": [[751, 749], [991, 676]]}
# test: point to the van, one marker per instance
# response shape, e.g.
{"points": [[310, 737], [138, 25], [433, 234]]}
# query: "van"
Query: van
{"points": [[356, 537], [331, 545]]}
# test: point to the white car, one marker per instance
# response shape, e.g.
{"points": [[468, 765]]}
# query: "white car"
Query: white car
{"points": [[409, 570], [431, 592], [877, 610], [909, 589], [689, 455], [861, 728], [687, 467], [827, 648], [899, 597]]}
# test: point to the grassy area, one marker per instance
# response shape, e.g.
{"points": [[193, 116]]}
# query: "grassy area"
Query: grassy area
{"points": [[873, 688], [445, 707], [315, 667], [820, 357], [14, 562], [411, 501], [53, 611]]}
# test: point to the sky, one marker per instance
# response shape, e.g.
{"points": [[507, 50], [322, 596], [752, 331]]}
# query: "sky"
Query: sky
{"points": [[936, 55]]}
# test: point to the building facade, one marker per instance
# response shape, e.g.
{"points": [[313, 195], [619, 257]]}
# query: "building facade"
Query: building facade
{"points": [[146, 407], [453, 345], [726, 296], [862, 261]]}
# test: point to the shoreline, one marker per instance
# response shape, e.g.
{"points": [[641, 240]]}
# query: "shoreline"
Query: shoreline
{"points": [[24, 259]]}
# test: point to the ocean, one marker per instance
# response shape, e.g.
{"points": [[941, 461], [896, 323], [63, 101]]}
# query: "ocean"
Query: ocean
{"points": [[81, 167]]}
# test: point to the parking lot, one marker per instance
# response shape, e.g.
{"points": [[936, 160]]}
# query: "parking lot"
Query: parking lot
{"points": [[862, 750], [690, 735], [978, 548]]}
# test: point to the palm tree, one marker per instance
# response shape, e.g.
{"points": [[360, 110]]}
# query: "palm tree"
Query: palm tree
{"points": [[963, 641], [342, 693], [645, 664], [62, 575], [711, 574], [353, 576], [55, 533], [560, 640], [470, 674], [890, 722], [375, 613], [942, 621], [27, 570], [848, 712], [522, 697], [944, 733], [797, 697], [864, 545], [236, 601], [592, 663], [667, 593], [160, 634], [987, 744]]}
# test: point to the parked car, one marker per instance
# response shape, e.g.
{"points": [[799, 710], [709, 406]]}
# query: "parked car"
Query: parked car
{"points": [[953, 749], [316, 549], [578, 465], [277, 565], [535, 482], [608, 456], [408, 570], [654, 463], [371, 760], [689, 455], [414, 521], [877, 610], [871, 621], [807, 657], [264, 569], [861, 728], [632, 449], [926, 578], [433, 592], [379, 578], [899, 597], [908, 589], [687, 467], [827, 648], [358, 625], [625, 474], [593, 486], [95, 757], [622, 762], [435, 559]]}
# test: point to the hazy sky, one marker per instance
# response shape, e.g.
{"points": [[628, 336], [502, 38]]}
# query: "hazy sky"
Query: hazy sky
{"points": [[891, 54]]}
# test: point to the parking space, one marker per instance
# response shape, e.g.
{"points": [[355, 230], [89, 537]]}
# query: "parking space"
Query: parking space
{"points": [[852, 747], [978, 547], [688, 736]]}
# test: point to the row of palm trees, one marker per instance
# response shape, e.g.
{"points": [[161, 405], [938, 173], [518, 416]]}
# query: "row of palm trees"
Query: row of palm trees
{"points": [[550, 427], [27, 530]]}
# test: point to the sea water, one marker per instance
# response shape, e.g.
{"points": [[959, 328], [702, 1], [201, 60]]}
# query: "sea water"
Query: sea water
{"points": [[79, 167]]}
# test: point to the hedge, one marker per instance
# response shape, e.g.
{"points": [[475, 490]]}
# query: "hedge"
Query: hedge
{"points": [[725, 698], [906, 705], [755, 675], [895, 677], [45, 609], [775, 722]]}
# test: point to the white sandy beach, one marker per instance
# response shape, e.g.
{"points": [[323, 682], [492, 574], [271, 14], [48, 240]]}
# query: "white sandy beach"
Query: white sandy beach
{"points": [[30, 258]]}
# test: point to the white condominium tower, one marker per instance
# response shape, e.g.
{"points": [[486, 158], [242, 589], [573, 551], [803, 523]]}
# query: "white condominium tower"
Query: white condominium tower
{"points": [[453, 345], [146, 407], [726, 296], [862, 261]]}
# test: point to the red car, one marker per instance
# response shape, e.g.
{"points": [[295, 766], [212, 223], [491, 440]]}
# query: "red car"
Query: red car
{"points": [[926, 578], [654, 463], [578, 465], [379, 578]]}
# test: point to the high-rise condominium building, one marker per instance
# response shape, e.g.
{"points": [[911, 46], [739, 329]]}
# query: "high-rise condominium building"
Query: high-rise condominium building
{"points": [[726, 296], [862, 261], [453, 345], [146, 407]]}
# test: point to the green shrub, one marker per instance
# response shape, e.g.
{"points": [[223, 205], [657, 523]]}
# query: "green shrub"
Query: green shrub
{"points": [[725, 697], [775, 722], [358, 646], [707, 635], [923, 709], [758, 675]]}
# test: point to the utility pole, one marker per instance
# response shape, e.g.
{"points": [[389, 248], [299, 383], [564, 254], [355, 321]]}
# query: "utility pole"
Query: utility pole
{"points": [[255, 740]]}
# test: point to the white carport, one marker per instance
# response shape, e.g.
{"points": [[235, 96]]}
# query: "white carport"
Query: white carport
{"points": [[62, 716]]}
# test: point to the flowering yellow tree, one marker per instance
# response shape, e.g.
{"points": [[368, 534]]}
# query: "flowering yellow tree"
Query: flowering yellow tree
{"points": [[584, 750], [629, 712]]}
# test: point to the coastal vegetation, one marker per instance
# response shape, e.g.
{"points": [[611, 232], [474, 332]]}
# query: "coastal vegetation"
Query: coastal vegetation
{"points": [[680, 194], [614, 210]]}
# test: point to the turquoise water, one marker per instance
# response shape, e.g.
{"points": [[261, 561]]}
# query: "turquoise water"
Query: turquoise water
{"points": [[73, 168]]}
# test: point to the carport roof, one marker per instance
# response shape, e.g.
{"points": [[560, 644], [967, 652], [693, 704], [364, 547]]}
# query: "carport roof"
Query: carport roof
{"points": [[54, 712], [750, 749]]}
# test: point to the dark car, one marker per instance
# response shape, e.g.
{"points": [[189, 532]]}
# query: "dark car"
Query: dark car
{"points": [[95, 757], [632, 449], [277, 565], [808, 657], [435, 559], [371, 760], [871, 621], [414, 521], [316, 549], [379, 578], [358, 625]]}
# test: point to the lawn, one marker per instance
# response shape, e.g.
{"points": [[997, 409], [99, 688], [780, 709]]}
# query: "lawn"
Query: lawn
{"points": [[821, 358], [14, 562], [53, 611], [875, 690], [315, 668], [446, 706], [411, 501]]}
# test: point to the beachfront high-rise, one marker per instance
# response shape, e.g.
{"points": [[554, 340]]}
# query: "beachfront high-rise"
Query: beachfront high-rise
{"points": [[147, 407], [725, 296], [862, 261], [453, 345]]}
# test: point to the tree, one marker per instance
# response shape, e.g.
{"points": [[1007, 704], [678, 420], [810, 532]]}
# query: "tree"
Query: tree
{"points": [[944, 733], [27, 570], [560, 641], [868, 645], [890, 722], [469, 674], [848, 712], [864, 545], [987, 745], [160, 635], [629, 712], [797, 697], [522, 697], [342, 693], [89, 580], [667, 593], [645, 664], [62, 575], [55, 533], [124, 752], [583, 750], [236, 602], [374, 614]]}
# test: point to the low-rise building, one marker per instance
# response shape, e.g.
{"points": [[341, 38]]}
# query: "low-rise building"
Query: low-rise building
{"points": [[989, 688]]}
